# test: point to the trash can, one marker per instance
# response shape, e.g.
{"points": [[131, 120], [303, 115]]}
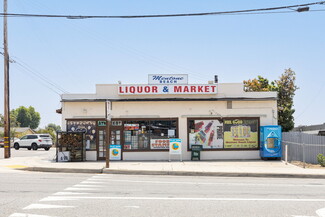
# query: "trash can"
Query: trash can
{"points": [[196, 149]]}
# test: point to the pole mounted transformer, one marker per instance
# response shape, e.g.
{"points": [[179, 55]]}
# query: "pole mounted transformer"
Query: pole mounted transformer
{"points": [[6, 85]]}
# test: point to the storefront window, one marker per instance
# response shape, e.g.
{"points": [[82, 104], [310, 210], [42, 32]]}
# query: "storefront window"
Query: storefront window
{"points": [[227, 133], [241, 133], [148, 135], [89, 127], [208, 133]]}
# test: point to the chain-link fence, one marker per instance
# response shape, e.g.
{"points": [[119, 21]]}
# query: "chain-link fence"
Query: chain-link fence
{"points": [[302, 147]]}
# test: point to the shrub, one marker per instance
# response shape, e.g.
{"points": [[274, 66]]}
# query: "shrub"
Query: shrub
{"points": [[321, 159]]}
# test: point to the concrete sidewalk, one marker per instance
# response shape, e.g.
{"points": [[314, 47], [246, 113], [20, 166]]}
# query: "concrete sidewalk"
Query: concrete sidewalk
{"points": [[244, 168]]}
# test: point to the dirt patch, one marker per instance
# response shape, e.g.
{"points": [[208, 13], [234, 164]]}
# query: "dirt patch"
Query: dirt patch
{"points": [[307, 165]]}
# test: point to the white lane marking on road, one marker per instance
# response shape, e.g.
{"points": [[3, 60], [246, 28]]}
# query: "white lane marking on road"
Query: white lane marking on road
{"points": [[109, 179], [136, 207], [89, 182], [86, 186], [79, 189], [46, 206], [189, 199], [302, 216], [56, 198], [70, 193], [28, 215], [321, 212]]}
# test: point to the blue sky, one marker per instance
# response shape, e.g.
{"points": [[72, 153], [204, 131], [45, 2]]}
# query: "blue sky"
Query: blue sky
{"points": [[77, 54]]}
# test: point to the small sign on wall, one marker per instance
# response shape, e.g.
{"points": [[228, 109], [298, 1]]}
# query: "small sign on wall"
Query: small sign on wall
{"points": [[115, 152], [101, 123]]}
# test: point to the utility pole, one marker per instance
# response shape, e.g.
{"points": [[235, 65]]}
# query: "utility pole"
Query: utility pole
{"points": [[6, 85], [108, 129]]}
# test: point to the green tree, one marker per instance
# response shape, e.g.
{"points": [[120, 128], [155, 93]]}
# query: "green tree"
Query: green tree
{"points": [[286, 88], [13, 120], [35, 117], [54, 127], [286, 91], [27, 117], [50, 129]]}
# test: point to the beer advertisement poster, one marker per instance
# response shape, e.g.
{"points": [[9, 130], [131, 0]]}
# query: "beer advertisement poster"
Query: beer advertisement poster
{"points": [[208, 133], [241, 133]]}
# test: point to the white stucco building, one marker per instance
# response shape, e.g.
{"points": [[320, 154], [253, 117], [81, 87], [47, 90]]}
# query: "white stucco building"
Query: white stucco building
{"points": [[223, 118]]}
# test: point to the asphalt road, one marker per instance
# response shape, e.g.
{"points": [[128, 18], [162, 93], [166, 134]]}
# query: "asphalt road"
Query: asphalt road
{"points": [[67, 195], [24, 152]]}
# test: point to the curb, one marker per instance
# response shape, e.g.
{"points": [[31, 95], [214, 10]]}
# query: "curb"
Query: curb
{"points": [[217, 174], [61, 170], [172, 173]]}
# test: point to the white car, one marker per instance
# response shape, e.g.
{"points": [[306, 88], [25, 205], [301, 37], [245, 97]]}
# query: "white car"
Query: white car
{"points": [[34, 141]]}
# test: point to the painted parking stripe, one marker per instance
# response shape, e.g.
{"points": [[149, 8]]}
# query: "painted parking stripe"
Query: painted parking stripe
{"points": [[46, 206], [28, 215]]}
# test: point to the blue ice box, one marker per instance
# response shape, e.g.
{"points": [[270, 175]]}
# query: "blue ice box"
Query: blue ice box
{"points": [[271, 142]]}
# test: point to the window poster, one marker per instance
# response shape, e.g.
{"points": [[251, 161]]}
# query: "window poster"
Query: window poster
{"points": [[241, 133], [159, 144], [207, 133]]}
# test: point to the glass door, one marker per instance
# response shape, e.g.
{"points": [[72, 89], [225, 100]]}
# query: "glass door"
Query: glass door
{"points": [[116, 138], [101, 144]]}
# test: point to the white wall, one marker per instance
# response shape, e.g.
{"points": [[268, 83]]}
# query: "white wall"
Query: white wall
{"points": [[82, 110]]}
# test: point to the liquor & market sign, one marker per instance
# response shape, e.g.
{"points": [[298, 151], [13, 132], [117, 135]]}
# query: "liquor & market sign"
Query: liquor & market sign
{"points": [[167, 89]]}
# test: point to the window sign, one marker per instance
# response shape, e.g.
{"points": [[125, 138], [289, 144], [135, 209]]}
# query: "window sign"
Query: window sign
{"points": [[101, 123], [117, 123], [207, 133], [241, 133], [159, 144]]}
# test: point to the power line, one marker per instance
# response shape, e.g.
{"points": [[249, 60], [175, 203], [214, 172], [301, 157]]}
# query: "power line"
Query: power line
{"points": [[300, 8], [45, 81]]}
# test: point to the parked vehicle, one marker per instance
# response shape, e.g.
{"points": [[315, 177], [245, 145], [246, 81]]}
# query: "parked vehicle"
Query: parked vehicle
{"points": [[34, 141], [1, 143]]}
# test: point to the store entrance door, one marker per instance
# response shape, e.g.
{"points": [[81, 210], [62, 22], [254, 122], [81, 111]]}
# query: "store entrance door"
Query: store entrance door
{"points": [[101, 138], [116, 137]]}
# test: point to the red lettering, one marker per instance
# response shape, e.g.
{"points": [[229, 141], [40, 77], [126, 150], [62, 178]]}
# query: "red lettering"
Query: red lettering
{"points": [[155, 89], [200, 89], [206, 89], [147, 89], [132, 89], [177, 89], [213, 89], [193, 89], [139, 89], [121, 89], [186, 89]]}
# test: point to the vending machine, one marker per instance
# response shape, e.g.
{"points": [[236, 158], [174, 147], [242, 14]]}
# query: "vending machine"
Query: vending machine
{"points": [[271, 142]]}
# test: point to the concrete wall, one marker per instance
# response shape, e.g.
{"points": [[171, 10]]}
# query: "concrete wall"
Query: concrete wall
{"points": [[82, 110]]}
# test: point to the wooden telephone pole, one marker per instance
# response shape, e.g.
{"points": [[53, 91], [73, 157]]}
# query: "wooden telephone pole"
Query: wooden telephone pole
{"points": [[6, 85]]}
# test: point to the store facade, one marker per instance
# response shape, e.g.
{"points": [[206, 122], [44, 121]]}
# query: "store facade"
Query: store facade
{"points": [[223, 118]]}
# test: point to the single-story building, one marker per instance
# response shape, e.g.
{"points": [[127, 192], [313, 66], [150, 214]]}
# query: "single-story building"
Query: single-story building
{"points": [[142, 118], [317, 129]]}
